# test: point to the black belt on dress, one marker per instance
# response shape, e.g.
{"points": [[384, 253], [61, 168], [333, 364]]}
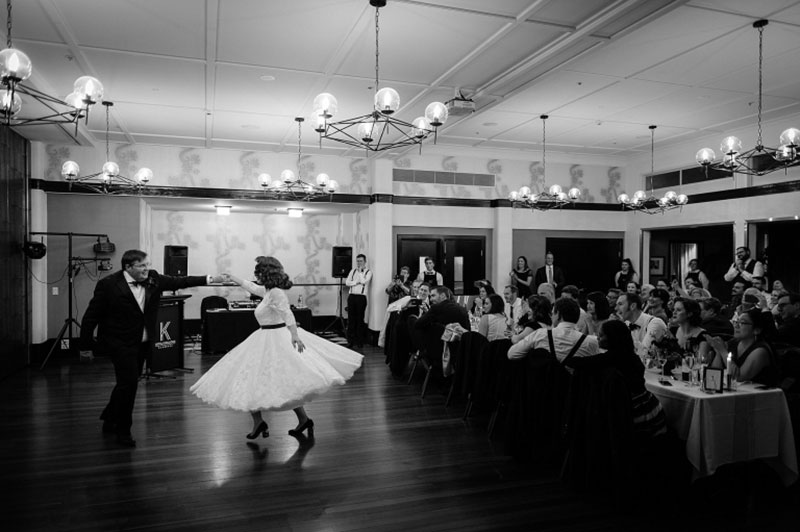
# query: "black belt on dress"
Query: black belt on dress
{"points": [[276, 326]]}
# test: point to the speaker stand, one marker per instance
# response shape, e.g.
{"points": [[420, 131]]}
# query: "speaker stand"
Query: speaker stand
{"points": [[338, 320]]}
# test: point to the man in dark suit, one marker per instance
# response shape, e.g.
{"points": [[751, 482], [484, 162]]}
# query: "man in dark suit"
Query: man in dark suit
{"points": [[550, 273], [124, 310], [430, 326]]}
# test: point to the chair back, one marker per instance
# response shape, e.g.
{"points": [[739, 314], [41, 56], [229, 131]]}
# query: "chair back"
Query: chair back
{"points": [[210, 302], [468, 361]]}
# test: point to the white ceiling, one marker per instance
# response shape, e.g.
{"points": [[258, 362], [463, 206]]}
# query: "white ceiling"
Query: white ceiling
{"points": [[189, 72]]}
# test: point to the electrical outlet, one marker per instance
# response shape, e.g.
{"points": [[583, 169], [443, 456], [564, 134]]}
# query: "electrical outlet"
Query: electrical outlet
{"points": [[54, 290], [65, 344]]}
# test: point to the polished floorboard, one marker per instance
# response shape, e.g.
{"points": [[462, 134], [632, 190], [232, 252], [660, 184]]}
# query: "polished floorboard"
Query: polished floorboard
{"points": [[383, 460]]}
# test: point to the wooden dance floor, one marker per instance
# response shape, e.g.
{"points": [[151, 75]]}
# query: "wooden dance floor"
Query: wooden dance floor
{"points": [[383, 460]]}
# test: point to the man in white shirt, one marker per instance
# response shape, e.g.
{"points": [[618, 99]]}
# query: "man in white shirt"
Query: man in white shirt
{"points": [[572, 292], [514, 306], [358, 281], [645, 329], [565, 335]]}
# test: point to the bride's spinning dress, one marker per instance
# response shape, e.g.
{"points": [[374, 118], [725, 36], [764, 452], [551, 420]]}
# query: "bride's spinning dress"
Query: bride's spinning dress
{"points": [[265, 372]]}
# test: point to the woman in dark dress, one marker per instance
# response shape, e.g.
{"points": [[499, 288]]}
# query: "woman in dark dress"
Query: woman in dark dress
{"points": [[615, 337], [626, 275], [751, 357], [522, 278]]}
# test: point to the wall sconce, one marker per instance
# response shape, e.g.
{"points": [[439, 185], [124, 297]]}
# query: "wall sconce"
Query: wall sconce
{"points": [[295, 212], [223, 210]]}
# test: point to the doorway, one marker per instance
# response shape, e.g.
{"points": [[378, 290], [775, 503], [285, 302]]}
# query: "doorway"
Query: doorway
{"points": [[776, 245], [460, 259]]}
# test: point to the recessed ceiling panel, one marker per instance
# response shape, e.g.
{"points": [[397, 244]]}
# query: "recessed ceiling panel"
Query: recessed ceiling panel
{"points": [[616, 98], [155, 119], [240, 88], [506, 8], [490, 124], [255, 127], [570, 12], [555, 91], [748, 8]]}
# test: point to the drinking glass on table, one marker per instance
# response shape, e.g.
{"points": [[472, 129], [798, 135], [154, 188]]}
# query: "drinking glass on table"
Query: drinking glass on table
{"points": [[690, 363]]}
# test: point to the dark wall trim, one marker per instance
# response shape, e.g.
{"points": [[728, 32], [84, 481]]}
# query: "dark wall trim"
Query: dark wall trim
{"points": [[364, 199]]}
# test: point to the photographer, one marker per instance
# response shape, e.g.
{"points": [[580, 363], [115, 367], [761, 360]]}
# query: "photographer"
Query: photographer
{"points": [[400, 285]]}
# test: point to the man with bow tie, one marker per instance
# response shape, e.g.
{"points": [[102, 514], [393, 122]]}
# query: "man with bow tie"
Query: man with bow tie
{"points": [[358, 281], [645, 329], [124, 311]]}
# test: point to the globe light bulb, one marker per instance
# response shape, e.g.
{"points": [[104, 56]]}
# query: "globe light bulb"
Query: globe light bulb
{"points": [[89, 89], [513, 195], [322, 180], [111, 169], [332, 186], [731, 145], [624, 198], [420, 127], [555, 190], [14, 65], [10, 103], [143, 175], [790, 137], [70, 170], [365, 131], [264, 179], [436, 113], [705, 156], [525, 193], [387, 101], [574, 193], [683, 199], [325, 105], [671, 195], [287, 176]]}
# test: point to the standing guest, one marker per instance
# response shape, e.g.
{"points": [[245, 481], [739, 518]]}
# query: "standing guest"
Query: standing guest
{"points": [[625, 275], [648, 416], [712, 321], [400, 285], [124, 310], [567, 341], [645, 329], [571, 291], [522, 277], [696, 275], [429, 275], [485, 289], [752, 359], [546, 290], [358, 280], [789, 330], [632, 288], [430, 326], [598, 311], [493, 321], [744, 268], [539, 316], [690, 335], [550, 273], [278, 367], [514, 306]]}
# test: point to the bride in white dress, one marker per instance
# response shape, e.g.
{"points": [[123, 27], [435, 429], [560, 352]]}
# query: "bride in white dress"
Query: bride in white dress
{"points": [[279, 366]]}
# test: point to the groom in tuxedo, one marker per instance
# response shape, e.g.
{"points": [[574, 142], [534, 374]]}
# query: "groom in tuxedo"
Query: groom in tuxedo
{"points": [[124, 310]]}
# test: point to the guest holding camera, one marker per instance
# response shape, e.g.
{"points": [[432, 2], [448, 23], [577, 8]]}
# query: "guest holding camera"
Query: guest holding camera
{"points": [[400, 285]]}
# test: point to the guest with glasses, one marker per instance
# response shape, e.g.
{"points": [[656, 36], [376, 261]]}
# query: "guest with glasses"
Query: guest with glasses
{"points": [[751, 357]]}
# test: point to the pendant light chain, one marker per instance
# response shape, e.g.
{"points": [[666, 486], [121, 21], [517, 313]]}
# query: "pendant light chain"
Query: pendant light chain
{"points": [[544, 148], [377, 53], [8, 24], [760, 142], [652, 157], [107, 128], [299, 153]]}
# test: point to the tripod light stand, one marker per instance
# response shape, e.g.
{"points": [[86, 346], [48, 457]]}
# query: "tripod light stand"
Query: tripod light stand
{"points": [[338, 320], [70, 320]]}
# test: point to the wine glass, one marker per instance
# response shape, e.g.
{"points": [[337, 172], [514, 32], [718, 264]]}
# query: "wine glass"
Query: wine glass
{"points": [[689, 361]]}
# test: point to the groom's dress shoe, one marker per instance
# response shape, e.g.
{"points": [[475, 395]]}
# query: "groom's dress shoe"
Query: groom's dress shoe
{"points": [[126, 440]]}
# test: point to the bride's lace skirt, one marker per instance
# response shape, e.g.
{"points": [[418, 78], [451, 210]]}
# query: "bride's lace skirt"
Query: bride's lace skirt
{"points": [[265, 372]]}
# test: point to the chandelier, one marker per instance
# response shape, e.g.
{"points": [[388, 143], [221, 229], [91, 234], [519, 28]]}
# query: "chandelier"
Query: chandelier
{"points": [[377, 130], [550, 198], [759, 160], [108, 180], [16, 67], [650, 204], [290, 186]]}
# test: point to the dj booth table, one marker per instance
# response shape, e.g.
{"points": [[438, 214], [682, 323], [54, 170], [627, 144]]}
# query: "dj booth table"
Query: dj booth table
{"points": [[227, 328]]}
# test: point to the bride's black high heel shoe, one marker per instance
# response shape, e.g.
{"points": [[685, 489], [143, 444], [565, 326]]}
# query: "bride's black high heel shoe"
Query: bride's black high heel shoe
{"points": [[307, 425], [262, 429]]}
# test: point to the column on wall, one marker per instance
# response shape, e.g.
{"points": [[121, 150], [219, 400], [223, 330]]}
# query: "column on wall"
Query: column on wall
{"points": [[502, 246], [381, 264], [38, 217]]}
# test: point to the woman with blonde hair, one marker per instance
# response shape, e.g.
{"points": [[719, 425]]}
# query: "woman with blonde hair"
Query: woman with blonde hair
{"points": [[279, 366], [547, 290]]}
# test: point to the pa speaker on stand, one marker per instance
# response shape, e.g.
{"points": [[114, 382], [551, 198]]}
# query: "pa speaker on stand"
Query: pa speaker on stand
{"points": [[342, 262]]}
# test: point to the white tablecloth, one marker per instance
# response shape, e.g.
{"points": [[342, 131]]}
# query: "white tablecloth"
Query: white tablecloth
{"points": [[730, 427]]}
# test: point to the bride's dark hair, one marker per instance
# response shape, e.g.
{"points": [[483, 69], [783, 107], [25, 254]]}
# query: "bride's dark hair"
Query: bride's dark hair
{"points": [[269, 272]]}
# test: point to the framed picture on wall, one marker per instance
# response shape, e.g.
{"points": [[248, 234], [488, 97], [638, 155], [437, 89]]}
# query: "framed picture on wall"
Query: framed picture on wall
{"points": [[656, 265]]}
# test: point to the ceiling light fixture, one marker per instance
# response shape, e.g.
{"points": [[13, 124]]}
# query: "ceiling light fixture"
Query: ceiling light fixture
{"points": [[547, 199], [108, 180], [223, 210], [650, 204], [759, 160], [377, 130], [295, 212], [292, 187], [16, 67]]}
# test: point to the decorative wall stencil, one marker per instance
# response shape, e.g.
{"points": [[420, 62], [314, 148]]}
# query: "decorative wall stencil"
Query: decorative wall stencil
{"points": [[450, 164], [176, 234], [127, 157], [315, 247], [224, 242], [56, 155], [614, 186], [361, 238], [359, 178], [190, 170], [536, 171], [249, 168], [576, 180], [270, 241]]}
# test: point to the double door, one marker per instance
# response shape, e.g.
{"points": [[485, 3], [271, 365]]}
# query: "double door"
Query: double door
{"points": [[460, 259]]}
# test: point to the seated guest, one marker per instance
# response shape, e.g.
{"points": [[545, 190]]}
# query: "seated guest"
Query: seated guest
{"points": [[772, 302], [571, 291], [597, 311], [485, 289], [657, 304], [645, 291], [430, 326], [632, 288], [537, 317], [751, 358], [547, 290], [698, 293], [493, 321], [662, 284], [760, 284], [712, 322], [690, 335], [645, 328], [737, 292], [615, 338], [400, 285], [789, 330], [612, 296], [567, 341], [514, 306], [752, 298]]}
